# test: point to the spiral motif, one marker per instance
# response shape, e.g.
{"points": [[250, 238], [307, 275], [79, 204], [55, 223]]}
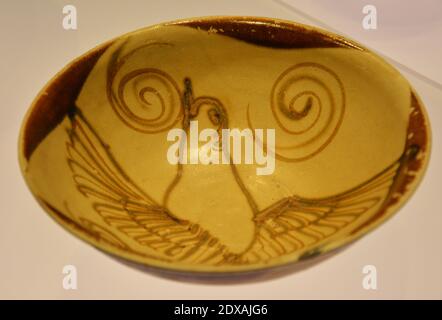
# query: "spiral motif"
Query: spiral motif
{"points": [[308, 104], [146, 99]]}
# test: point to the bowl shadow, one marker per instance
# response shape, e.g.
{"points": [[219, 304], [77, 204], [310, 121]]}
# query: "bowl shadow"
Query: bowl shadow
{"points": [[228, 278]]}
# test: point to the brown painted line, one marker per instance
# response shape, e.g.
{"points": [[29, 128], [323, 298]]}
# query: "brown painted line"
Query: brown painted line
{"points": [[417, 142], [268, 33], [56, 99]]}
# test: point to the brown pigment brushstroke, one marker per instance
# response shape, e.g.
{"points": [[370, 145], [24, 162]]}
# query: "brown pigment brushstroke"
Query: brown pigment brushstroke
{"points": [[282, 35], [53, 105], [89, 233], [416, 136]]}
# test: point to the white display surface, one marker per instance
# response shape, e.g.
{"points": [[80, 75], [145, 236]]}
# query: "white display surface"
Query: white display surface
{"points": [[33, 249]]}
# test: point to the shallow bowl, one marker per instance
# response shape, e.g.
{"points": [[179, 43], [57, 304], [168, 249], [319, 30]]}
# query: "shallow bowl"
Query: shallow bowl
{"points": [[124, 147]]}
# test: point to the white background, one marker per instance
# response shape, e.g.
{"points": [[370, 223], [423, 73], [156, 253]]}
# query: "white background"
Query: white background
{"points": [[33, 249]]}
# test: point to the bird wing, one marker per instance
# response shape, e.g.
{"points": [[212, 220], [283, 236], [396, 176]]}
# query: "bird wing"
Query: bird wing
{"points": [[124, 206], [290, 225], [295, 223]]}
